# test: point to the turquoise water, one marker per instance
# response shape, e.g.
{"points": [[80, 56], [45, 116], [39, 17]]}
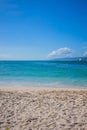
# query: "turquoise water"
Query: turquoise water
{"points": [[45, 73]]}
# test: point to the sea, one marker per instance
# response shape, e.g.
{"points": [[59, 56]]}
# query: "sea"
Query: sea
{"points": [[43, 73]]}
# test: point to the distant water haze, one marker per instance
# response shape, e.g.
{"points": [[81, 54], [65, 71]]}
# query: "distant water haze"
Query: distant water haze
{"points": [[71, 59]]}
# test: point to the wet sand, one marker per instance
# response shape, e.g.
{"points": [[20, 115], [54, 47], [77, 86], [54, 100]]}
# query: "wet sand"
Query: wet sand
{"points": [[43, 108]]}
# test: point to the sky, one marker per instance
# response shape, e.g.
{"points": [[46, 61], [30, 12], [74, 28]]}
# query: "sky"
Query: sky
{"points": [[42, 29]]}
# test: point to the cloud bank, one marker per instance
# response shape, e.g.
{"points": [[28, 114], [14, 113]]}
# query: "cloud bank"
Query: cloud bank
{"points": [[61, 52], [85, 53], [5, 56]]}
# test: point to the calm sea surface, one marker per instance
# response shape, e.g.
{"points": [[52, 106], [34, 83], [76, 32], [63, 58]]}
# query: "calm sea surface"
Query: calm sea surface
{"points": [[43, 73]]}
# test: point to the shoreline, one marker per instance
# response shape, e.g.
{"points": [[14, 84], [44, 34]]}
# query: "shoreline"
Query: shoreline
{"points": [[41, 85], [32, 88]]}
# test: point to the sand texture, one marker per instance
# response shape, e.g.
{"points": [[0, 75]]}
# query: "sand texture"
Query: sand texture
{"points": [[43, 109]]}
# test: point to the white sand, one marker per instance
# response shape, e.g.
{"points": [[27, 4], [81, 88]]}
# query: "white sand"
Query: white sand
{"points": [[43, 108]]}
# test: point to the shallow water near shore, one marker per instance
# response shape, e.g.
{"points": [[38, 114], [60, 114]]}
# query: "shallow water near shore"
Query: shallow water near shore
{"points": [[43, 73]]}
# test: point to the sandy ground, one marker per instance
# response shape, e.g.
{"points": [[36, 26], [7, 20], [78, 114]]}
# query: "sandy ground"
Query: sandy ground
{"points": [[43, 109]]}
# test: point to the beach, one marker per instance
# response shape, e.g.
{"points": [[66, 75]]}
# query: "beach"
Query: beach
{"points": [[30, 108]]}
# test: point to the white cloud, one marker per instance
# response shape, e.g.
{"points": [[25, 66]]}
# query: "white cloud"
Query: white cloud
{"points": [[61, 52], [85, 53]]}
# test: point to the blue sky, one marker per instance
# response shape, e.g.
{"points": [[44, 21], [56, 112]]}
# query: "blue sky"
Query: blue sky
{"points": [[41, 29]]}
